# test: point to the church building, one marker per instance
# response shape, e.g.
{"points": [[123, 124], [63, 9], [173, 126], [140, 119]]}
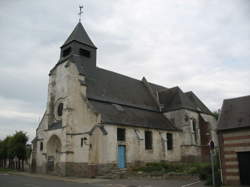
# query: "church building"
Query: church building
{"points": [[97, 120]]}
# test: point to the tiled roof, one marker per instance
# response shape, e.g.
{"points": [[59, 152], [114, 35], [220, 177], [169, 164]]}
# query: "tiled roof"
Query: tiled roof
{"points": [[235, 113]]}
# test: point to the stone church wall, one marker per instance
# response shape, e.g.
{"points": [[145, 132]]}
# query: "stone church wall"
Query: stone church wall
{"points": [[77, 119], [135, 147], [191, 142]]}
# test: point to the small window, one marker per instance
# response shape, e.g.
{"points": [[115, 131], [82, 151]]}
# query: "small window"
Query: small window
{"points": [[81, 142], [121, 134], [41, 146], [170, 141], [84, 52], [60, 109], [148, 140], [194, 129], [66, 52]]}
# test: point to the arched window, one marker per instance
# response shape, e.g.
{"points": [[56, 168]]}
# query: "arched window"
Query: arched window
{"points": [[41, 146], [60, 109]]}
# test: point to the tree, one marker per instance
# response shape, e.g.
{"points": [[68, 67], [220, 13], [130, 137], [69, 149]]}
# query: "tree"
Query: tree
{"points": [[216, 114], [14, 147]]}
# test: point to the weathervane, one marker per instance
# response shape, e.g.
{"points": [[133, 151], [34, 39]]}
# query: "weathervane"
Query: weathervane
{"points": [[80, 13]]}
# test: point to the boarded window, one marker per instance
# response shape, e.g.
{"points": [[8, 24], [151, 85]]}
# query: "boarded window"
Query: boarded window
{"points": [[121, 134], [84, 52], [148, 140], [60, 109], [41, 146], [170, 141], [66, 52]]}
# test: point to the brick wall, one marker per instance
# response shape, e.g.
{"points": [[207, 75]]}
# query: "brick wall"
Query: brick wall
{"points": [[232, 142]]}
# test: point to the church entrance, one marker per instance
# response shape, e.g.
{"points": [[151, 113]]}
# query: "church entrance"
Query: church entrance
{"points": [[53, 153], [121, 156]]}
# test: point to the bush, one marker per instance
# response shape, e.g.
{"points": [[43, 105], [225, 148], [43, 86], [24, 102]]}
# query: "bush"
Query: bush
{"points": [[205, 173], [169, 167]]}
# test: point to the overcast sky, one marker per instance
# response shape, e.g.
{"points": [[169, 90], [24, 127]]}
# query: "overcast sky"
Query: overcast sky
{"points": [[199, 45]]}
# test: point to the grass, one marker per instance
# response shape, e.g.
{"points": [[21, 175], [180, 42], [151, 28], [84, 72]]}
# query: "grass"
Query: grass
{"points": [[4, 170]]}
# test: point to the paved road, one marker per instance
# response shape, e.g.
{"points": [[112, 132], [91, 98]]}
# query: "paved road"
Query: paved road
{"points": [[12, 180], [151, 183], [7, 180]]}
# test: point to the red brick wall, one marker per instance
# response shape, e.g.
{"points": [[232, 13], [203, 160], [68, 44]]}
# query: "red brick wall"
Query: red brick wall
{"points": [[232, 142]]}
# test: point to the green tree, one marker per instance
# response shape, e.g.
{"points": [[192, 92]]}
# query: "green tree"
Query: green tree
{"points": [[216, 115], [14, 147]]}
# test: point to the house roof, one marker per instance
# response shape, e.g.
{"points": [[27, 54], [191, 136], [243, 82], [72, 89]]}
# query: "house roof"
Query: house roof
{"points": [[79, 34], [235, 113]]}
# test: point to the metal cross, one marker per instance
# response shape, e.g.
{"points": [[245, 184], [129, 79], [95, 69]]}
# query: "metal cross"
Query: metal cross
{"points": [[80, 13]]}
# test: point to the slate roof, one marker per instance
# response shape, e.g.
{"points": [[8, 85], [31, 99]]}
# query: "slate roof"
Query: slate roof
{"points": [[199, 105], [175, 99], [235, 113], [107, 85], [80, 35], [130, 116]]}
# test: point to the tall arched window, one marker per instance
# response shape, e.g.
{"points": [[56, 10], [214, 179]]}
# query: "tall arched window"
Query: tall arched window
{"points": [[60, 109], [194, 129]]}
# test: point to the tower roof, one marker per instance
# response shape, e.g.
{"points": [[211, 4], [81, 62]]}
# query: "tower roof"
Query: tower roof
{"points": [[80, 35]]}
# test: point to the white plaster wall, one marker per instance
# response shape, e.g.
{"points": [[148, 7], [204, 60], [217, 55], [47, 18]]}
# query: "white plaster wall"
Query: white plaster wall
{"points": [[135, 149], [186, 126]]}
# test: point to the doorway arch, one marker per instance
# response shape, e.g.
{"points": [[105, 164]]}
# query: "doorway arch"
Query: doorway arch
{"points": [[54, 148]]}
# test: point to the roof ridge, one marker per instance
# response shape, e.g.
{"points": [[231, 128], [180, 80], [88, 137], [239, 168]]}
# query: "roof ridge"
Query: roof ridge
{"points": [[235, 98]]}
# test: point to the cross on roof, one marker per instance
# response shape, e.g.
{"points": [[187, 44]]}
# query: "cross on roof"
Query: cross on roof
{"points": [[80, 13]]}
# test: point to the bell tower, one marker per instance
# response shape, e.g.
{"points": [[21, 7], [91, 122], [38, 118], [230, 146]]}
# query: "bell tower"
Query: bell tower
{"points": [[79, 44]]}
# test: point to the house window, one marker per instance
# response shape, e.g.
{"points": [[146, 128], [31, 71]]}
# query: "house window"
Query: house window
{"points": [[41, 146], [169, 141], [121, 134], [60, 109], [84, 52], [148, 140], [66, 52]]}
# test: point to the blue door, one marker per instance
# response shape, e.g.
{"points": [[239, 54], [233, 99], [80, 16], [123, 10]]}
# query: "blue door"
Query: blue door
{"points": [[121, 156]]}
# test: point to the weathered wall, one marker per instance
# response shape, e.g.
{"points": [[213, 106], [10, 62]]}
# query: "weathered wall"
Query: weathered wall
{"points": [[232, 142], [135, 149], [77, 119], [191, 146]]}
